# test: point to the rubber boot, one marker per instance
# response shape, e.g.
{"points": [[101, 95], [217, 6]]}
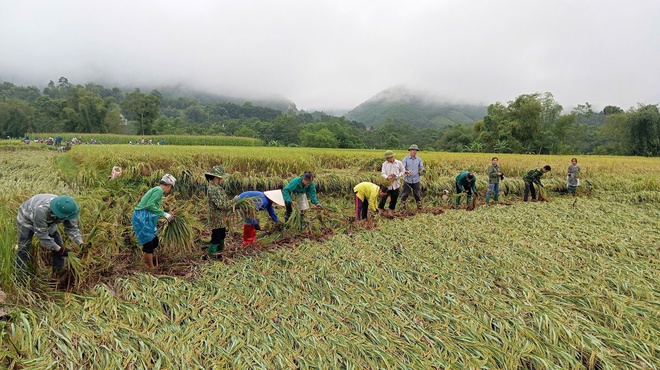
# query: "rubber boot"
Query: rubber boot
{"points": [[495, 198], [249, 235], [213, 249], [488, 198], [221, 246]]}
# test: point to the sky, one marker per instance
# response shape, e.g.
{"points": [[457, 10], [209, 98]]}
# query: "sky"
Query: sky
{"points": [[335, 54]]}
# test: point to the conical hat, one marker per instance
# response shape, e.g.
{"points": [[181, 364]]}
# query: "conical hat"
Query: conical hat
{"points": [[275, 196]]}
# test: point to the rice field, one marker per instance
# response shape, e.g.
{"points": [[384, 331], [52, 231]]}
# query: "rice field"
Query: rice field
{"points": [[571, 283]]}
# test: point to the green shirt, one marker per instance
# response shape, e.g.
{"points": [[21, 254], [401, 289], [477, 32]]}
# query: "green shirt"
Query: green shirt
{"points": [[296, 187], [534, 176], [152, 200]]}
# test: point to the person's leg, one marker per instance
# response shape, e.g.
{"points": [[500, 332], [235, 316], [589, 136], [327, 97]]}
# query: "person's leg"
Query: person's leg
{"points": [[496, 189], [532, 190], [526, 194], [383, 200], [458, 192], [148, 253], [249, 234], [24, 244], [417, 192], [358, 206], [394, 196], [405, 194], [288, 211], [365, 209], [571, 189], [491, 190]]}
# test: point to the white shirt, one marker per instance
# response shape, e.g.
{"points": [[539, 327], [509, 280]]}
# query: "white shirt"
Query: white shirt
{"points": [[395, 168]]}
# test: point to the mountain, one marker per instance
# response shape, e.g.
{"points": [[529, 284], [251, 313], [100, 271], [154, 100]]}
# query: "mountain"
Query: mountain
{"points": [[403, 105]]}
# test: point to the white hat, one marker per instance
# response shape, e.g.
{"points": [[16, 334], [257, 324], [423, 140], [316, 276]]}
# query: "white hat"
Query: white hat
{"points": [[168, 179], [275, 196]]}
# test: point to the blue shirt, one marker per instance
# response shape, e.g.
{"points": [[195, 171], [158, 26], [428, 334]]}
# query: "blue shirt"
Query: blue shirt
{"points": [[262, 202], [415, 166]]}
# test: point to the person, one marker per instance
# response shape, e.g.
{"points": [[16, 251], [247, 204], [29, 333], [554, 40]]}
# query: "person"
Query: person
{"points": [[494, 176], [145, 218], [299, 186], [572, 181], [366, 197], [263, 201], [40, 215], [466, 181], [392, 170], [58, 140], [411, 181], [162, 141], [534, 176], [218, 207], [116, 172]]}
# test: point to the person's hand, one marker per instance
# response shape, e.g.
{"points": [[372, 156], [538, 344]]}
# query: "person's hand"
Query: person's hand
{"points": [[499, 173], [391, 178], [408, 173], [318, 206], [168, 216], [63, 252], [294, 203]]}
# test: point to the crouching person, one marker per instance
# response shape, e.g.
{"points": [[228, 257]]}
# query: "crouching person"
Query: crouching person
{"points": [[366, 198], [40, 215], [262, 201], [145, 218], [218, 207]]}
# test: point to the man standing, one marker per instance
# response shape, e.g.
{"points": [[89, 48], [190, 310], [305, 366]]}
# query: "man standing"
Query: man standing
{"points": [[145, 218], [494, 177], [262, 201], [534, 176], [40, 215], [392, 170], [465, 182], [366, 197], [411, 182], [218, 207]]}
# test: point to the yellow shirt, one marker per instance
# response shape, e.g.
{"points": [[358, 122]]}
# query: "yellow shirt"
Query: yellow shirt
{"points": [[368, 191]]}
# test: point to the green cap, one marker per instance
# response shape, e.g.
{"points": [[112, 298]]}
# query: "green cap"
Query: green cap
{"points": [[414, 146], [216, 171], [389, 153], [64, 207]]}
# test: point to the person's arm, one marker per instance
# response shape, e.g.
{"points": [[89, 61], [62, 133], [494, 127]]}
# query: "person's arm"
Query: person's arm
{"points": [[271, 213], [41, 229], [373, 200], [383, 173], [421, 166], [72, 231], [311, 193], [473, 185], [401, 170], [154, 202], [286, 192]]}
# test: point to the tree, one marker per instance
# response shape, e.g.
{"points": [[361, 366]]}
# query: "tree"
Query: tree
{"points": [[644, 123], [612, 109], [15, 118], [318, 139], [143, 108]]}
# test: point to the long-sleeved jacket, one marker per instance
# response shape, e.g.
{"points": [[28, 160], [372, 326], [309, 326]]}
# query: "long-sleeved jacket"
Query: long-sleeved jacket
{"points": [[296, 187], [534, 176], [368, 191], [35, 214], [572, 175], [463, 183], [415, 166], [493, 177], [395, 168], [218, 205], [262, 202], [152, 201]]}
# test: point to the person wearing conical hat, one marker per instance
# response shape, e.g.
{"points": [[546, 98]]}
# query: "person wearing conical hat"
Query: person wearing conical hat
{"points": [[218, 207], [392, 170], [40, 215], [412, 181], [262, 201], [145, 218]]}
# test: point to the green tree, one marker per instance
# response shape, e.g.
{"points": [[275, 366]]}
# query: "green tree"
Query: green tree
{"points": [[318, 139], [15, 118], [644, 123], [142, 108]]}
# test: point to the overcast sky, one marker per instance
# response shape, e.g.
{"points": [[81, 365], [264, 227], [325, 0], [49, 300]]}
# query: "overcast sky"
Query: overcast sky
{"points": [[335, 54]]}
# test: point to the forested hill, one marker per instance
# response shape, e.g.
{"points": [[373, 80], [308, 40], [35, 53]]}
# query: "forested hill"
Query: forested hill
{"points": [[402, 105]]}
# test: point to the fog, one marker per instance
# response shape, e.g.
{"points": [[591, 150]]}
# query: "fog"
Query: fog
{"points": [[329, 55]]}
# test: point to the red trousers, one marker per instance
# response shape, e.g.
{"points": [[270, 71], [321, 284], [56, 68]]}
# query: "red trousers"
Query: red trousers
{"points": [[249, 234]]}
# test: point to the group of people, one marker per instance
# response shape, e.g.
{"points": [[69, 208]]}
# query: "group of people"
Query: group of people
{"points": [[42, 213]]}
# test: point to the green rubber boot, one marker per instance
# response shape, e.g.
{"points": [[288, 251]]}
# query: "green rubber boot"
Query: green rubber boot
{"points": [[495, 198], [213, 249], [221, 246], [488, 198]]}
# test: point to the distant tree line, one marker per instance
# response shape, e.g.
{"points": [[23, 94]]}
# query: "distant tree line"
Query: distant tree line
{"points": [[531, 123]]}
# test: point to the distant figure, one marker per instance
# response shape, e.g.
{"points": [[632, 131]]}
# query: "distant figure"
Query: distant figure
{"points": [[58, 141], [142, 141], [573, 181], [162, 142], [150, 142], [116, 172]]}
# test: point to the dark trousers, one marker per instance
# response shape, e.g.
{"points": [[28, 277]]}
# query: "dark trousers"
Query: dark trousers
{"points": [[415, 188], [289, 209], [529, 187], [394, 195], [361, 208], [25, 244], [217, 235]]}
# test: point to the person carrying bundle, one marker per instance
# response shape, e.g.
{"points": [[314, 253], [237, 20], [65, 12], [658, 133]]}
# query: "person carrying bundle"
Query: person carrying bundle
{"points": [[302, 188], [218, 207], [366, 198], [145, 218], [40, 215], [262, 201], [532, 177], [466, 181], [392, 170]]}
